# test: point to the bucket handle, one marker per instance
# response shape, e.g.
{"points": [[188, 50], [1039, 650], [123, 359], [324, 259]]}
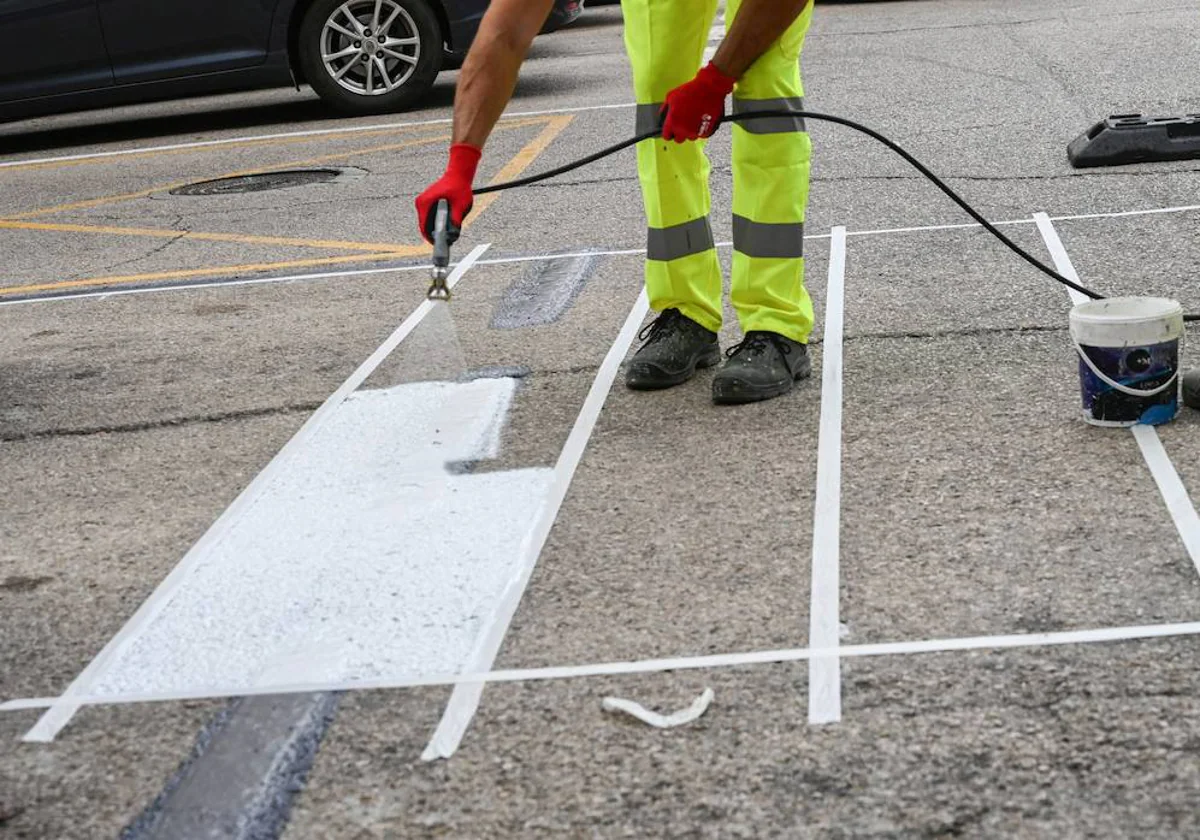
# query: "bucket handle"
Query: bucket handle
{"points": [[1117, 386]]}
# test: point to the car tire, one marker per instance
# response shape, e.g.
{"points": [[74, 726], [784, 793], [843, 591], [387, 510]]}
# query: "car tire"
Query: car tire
{"points": [[357, 73]]}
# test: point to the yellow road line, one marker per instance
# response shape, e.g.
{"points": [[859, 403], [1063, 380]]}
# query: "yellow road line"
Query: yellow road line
{"points": [[116, 199], [222, 271], [246, 144], [311, 161], [513, 169], [247, 239], [527, 155]]}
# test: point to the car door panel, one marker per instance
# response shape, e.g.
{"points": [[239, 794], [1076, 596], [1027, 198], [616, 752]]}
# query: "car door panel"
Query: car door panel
{"points": [[160, 39], [49, 47]]}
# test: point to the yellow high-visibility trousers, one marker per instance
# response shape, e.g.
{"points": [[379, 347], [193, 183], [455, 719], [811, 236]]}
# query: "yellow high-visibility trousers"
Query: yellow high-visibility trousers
{"points": [[665, 40]]}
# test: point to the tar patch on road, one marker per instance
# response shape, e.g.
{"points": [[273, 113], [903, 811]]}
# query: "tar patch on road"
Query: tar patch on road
{"points": [[20, 583], [544, 293], [243, 773]]}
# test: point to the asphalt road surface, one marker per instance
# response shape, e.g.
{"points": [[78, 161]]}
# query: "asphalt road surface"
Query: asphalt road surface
{"points": [[267, 518]]}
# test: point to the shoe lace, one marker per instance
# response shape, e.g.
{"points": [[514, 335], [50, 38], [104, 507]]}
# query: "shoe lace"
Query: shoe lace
{"points": [[658, 329], [756, 343]]}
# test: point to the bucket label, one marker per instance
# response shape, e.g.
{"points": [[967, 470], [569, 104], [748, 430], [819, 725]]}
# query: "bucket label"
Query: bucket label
{"points": [[1145, 368]]}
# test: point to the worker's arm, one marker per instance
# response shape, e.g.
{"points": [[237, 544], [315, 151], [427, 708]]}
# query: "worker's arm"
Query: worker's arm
{"points": [[758, 25], [489, 74], [484, 87], [695, 109]]}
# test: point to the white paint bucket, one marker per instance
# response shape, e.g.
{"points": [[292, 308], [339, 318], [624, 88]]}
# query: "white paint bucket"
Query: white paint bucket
{"points": [[1128, 359]]}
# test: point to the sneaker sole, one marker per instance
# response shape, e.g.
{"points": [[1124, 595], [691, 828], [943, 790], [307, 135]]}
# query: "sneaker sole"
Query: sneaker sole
{"points": [[738, 392], [645, 377]]}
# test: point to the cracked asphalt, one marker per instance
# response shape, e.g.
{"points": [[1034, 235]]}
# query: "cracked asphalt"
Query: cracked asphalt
{"points": [[156, 351]]}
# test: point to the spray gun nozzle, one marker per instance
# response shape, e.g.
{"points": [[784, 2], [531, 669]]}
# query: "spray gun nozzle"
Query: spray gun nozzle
{"points": [[444, 233]]}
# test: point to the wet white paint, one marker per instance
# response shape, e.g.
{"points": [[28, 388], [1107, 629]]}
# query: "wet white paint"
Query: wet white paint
{"points": [[363, 558]]}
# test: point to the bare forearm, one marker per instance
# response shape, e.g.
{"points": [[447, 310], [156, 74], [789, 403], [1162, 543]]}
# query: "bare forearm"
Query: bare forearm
{"points": [[489, 74], [759, 23]]}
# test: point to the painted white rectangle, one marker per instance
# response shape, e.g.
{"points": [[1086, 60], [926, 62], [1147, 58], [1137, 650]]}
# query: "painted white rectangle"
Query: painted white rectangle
{"points": [[364, 558], [825, 672], [51, 723]]}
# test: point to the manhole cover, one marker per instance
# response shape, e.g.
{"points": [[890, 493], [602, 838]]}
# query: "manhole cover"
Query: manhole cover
{"points": [[260, 181]]}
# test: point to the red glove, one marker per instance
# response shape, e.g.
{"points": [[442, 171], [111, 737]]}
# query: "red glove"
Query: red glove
{"points": [[695, 110], [454, 186]]}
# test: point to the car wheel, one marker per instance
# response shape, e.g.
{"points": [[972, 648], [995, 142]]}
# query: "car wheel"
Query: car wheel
{"points": [[370, 56]]}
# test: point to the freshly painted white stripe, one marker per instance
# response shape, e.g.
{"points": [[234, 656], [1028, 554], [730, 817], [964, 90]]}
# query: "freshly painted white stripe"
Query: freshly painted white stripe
{"points": [[1178, 502], [466, 695], [364, 557], [316, 132], [652, 666], [58, 716], [825, 673], [1174, 493]]}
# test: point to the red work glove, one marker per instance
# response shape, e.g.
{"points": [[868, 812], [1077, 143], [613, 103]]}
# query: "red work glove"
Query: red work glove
{"points": [[454, 186], [695, 110]]}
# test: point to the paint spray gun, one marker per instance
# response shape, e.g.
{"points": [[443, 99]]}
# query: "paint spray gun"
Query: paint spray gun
{"points": [[445, 233]]}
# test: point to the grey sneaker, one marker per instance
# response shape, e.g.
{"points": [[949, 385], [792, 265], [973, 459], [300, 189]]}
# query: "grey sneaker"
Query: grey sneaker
{"points": [[763, 366], [675, 346]]}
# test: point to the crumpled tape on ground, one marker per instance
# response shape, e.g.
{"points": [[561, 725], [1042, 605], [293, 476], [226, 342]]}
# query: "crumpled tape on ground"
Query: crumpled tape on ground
{"points": [[691, 713]]}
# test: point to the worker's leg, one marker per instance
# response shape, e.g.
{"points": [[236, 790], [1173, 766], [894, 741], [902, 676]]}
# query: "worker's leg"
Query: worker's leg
{"points": [[665, 40], [770, 193]]}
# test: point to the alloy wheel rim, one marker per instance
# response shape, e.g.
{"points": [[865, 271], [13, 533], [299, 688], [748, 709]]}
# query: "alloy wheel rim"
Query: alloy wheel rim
{"points": [[370, 47]]}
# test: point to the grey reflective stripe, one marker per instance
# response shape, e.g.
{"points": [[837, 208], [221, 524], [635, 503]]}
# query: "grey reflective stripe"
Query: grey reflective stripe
{"points": [[770, 125], [694, 237], [768, 241], [647, 117]]}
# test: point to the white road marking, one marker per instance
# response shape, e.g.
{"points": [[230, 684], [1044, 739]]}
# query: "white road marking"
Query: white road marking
{"points": [[1081, 217], [363, 557], [1062, 261], [825, 673], [1166, 477], [316, 132], [326, 275], [466, 695], [1174, 494], [652, 666], [60, 714]]}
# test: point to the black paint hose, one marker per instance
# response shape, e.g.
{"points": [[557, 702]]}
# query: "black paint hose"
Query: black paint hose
{"points": [[859, 127]]}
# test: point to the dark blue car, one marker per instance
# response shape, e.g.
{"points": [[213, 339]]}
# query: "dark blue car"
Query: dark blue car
{"points": [[360, 56]]}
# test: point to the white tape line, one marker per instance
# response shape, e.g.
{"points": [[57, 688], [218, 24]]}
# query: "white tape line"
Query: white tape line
{"points": [[1058, 251], [1127, 214], [465, 699], [317, 132], [652, 666], [59, 715], [825, 673], [1174, 493], [1178, 502], [658, 721], [325, 275]]}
